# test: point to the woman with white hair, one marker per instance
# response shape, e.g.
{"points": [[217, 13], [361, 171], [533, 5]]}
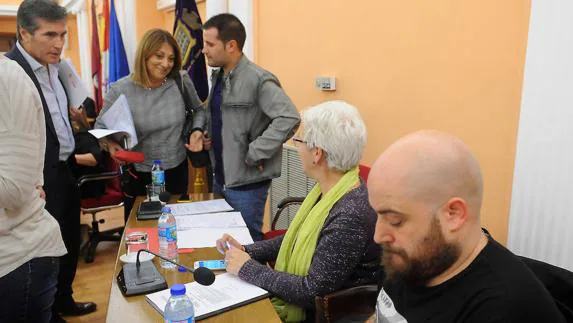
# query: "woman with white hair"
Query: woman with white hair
{"points": [[329, 244]]}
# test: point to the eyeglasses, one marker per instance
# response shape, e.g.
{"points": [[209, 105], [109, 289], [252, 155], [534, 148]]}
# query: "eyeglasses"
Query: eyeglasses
{"points": [[296, 140]]}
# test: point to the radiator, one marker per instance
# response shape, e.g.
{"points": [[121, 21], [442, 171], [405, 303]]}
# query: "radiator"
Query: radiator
{"points": [[292, 183], [541, 215]]}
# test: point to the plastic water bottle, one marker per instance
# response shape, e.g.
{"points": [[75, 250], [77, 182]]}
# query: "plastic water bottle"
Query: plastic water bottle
{"points": [[167, 231], [179, 308], [158, 176]]}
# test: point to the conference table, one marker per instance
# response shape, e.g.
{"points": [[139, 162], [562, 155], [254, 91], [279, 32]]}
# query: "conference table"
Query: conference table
{"points": [[137, 309]]}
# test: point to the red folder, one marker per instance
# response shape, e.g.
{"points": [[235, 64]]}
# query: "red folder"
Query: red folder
{"points": [[154, 239]]}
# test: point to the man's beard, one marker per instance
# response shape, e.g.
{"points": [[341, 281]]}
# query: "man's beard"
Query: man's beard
{"points": [[433, 257]]}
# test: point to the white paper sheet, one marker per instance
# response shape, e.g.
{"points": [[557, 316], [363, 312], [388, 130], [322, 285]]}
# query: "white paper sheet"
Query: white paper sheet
{"points": [[100, 133], [210, 220], [118, 117], [202, 207], [227, 292], [75, 89], [207, 237]]}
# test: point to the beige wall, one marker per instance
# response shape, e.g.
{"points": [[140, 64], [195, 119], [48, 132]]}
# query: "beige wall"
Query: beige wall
{"points": [[407, 65]]}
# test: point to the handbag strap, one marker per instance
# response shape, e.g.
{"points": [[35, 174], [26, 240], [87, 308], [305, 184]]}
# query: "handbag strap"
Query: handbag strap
{"points": [[183, 91]]}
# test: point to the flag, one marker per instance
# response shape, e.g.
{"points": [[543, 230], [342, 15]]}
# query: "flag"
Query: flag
{"points": [[104, 45], [96, 62], [118, 66], [187, 31]]}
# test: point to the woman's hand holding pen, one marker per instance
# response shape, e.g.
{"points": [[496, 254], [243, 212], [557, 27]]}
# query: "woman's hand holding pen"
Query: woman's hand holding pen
{"points": [[227, 242]]}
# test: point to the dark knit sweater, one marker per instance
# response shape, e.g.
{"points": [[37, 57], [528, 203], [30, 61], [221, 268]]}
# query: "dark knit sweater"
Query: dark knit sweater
{"points": [[345, 255]]}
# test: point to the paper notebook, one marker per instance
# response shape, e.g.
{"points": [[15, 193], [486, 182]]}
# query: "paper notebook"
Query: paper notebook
{"points": [[226, 293]]}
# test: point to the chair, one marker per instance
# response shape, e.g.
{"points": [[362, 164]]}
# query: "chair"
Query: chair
{"points": [[111, 199], [290, 201], [356, 302]]}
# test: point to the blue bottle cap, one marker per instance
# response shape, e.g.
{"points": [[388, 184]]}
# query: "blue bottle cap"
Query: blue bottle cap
{"points": [[177, 289], [181, 269], [166, 209], [157, 161]]}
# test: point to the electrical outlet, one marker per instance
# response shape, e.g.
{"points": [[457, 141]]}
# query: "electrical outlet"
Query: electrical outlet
{"points": [[325, 83]]}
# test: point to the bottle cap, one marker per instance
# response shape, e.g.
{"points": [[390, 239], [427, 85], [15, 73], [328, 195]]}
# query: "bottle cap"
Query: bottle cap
{"points": [[166, 209], [177, 289], [181, 269], [157, 161]]}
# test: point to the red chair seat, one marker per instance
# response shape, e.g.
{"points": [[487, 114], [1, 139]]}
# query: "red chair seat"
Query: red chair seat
{"points": [[273, 234], [110, 197]]}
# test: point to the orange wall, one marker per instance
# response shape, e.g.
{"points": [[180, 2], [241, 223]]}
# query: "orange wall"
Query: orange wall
{"points": [[450, 65], [8, 25], [149, 17], [73, 50], [11, 2]]}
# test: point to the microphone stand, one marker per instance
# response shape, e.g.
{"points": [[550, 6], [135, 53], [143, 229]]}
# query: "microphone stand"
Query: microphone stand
{"points": [[138, 263], [201, 275]]}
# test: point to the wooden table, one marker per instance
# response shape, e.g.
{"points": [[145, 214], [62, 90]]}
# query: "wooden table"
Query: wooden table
{"points": [[136, 308]]}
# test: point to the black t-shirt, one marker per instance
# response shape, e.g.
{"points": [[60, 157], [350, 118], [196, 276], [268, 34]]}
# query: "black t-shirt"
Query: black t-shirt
{"points": [[496, 287]]}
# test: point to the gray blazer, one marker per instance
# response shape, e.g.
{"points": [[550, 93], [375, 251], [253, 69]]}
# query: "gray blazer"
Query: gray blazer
{"points": [[258, 117]]}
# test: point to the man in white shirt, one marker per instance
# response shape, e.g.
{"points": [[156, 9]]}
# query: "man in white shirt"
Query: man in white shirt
{"points": [[41, 35], [30, 239]]}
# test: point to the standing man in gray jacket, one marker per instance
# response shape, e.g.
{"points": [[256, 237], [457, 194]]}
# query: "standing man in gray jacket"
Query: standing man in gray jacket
{"points": [[249, 118]]}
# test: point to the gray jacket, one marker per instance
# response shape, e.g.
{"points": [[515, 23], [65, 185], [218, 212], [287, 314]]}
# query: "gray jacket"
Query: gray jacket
{"points": [[258, 117]]}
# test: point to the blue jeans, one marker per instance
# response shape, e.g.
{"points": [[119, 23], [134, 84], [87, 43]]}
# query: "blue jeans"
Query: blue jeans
{"points": [[251, 204], [27, 293]]}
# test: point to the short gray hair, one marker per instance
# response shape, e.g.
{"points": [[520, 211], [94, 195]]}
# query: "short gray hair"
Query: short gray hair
{"points": [[30, 10], [337, 128]]}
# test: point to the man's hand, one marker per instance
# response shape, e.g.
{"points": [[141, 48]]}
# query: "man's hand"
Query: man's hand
{"points": [[195, 141], [42, 192], [235, 259], [112, 147]]}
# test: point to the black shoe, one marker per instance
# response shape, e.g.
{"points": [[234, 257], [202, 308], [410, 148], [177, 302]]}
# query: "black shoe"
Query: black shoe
{"points": [[56, 318], [77, 308]]}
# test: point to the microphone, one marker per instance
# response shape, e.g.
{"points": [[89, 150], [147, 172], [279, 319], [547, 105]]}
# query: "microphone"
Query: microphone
{"points": [[165, 196], [202, 275], [143, 278], [151, 210]]}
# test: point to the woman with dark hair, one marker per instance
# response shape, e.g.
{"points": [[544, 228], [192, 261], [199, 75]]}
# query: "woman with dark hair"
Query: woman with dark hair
{"points": [[158, 111]]}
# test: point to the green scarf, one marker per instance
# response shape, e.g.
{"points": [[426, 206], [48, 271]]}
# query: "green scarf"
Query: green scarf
{"points": [[297, 248]]}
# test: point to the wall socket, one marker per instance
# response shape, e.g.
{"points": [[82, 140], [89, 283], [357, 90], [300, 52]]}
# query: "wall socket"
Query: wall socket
{"points": [[325, 83]]}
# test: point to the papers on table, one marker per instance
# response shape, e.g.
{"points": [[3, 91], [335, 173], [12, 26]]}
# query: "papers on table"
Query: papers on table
{"points": [[75, 89], [211, 206], [118, 118], [207, 237], [226, 293], [200, 224], [210, 220]]}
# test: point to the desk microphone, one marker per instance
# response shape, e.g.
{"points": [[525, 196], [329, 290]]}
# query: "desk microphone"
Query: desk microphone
{"points": [[165, 196], [151, 210], [202, 275], [143, 278]]}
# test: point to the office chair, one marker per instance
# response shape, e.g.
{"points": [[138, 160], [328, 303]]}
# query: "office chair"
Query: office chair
{"points": [[112, 198], [363, 172], [357, 303]]}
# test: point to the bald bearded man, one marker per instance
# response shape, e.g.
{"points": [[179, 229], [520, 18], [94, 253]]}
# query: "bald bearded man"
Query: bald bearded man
{"points": [[440, 266]]}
